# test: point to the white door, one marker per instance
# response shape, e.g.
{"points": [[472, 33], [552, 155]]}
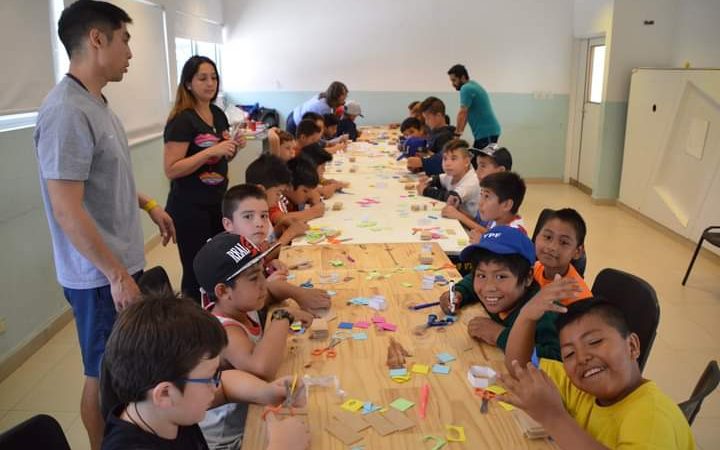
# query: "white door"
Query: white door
{"points": [[590, 129]]}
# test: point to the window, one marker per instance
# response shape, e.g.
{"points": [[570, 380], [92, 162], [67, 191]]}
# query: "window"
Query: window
{"points": [[597, 73], [185, 48]]}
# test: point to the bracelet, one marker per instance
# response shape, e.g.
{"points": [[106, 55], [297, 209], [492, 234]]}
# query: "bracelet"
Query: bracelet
{"points": [[149, 205]]}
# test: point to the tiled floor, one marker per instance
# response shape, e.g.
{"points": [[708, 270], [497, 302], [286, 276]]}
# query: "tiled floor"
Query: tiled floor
{"points": [[688, 337]]}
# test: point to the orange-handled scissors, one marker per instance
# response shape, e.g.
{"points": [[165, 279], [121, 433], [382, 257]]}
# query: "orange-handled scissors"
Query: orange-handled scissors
{"points": [[329, 350]]}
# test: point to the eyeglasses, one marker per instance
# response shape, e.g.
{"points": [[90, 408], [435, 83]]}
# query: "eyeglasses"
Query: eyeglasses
{"points": [[214, 380]]}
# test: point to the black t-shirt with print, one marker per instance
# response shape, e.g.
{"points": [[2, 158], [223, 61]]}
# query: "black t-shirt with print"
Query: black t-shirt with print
{"points": [[122, 435], [209, 182]]}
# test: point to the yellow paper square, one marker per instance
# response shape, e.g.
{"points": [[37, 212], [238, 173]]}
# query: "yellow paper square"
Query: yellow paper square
{"points": [[495, 389], [352, 405], [420, 368], [506, 406]]}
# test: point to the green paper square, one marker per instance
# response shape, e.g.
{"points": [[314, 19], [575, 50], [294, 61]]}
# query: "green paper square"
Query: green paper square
{"points": [[402, 404]]}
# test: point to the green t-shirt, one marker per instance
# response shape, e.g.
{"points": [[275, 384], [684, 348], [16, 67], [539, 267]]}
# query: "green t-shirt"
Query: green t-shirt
{"points": [[481, 117]]}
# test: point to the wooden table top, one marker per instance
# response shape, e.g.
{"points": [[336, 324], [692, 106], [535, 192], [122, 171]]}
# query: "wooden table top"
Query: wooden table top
{"points": [[360, 365]]}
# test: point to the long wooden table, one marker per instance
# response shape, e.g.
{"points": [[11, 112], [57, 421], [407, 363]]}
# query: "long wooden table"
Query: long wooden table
{"points": [[360, 365], [377, 207]]}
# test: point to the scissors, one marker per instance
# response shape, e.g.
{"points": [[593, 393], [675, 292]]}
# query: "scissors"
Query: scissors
{"points": [[329, 350], [290, 396], [486, 396]]}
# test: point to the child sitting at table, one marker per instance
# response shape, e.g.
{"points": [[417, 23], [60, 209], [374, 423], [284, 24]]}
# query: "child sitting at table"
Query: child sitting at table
{"points": [[245, 213], [433, 111], [308, 134], [294, 204], [284, 147], [502, 280], [330, 139], [229, 270], [458, 185], [596, 398], [320, 158], [347, 124], [273, 175], [161, 372], [412, 128], [560, 241]]}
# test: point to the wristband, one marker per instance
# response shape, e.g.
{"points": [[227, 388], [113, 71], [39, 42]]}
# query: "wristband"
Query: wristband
{"points": [[149, 205], [280, 314]]}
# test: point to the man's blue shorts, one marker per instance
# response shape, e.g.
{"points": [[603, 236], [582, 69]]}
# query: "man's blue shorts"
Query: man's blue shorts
{"points": [[95, 314]]}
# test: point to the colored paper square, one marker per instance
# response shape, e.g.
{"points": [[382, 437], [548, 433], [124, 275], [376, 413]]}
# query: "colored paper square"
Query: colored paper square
{"points": [[420, 368], [402, 379], [388, 326], [506, 406], [398, 372], [359, 336], [402, 404], [445, 357], [362, 324], [352, 405], [407, 285], [438, 368], [378, 319], [495, 389], [345, 325]]}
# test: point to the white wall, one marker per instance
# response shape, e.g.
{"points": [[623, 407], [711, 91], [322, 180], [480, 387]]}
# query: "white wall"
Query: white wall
{"points": [[592, 18], [697, 35], [378, 45]]}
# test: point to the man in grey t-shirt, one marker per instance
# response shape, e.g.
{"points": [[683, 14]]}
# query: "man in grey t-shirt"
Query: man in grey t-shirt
{"points": [[88, 188]]}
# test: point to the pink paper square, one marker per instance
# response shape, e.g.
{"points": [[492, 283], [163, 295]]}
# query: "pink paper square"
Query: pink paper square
{"points": [[378, 319], [388, 326], [362, 324]]}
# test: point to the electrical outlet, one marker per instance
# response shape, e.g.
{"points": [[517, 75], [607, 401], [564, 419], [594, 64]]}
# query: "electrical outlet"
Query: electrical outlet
{"points": [[2, 325]]}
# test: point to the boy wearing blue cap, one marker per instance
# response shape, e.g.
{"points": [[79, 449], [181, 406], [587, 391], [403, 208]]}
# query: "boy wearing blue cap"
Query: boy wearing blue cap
{"points": [[503, 282]]}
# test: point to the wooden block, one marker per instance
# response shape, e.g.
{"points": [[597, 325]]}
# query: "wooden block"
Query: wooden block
{"points": [[529, 427], [399, 419], [410, 186], [353, 421], [352, 159], [380, 424], [415, 207], [425, 236], [343, 432], [303, 411], [426, 257], [337, 206], [353, 169], [424, 207], [319, 329]]}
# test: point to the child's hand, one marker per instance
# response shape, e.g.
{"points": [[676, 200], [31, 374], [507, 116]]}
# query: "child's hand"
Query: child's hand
{"points": [[445, 301], [287, 434], [296, 228], [531, 390], [240, 140], [476, 235], [485, 329], [303, 316], [279, 266], [276, 276], [548, 297], [450, 211], [414, 163], [318, 209], [223, 149], [313, 299], [422, 184]]}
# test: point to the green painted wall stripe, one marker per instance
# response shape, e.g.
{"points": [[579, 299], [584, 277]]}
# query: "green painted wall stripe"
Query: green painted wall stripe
{"points": [[612, 143]]}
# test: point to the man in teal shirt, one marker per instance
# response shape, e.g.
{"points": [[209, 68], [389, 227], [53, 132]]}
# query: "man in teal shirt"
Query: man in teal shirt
{"points": [[475, 108]]}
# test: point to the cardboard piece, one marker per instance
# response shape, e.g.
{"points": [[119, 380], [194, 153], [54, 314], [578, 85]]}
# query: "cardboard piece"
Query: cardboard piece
{"points": [[319, 329], [424, 236], [353, 421], [529, 427], [337, 206], [400, 420], [343, 432], [380, 424]]}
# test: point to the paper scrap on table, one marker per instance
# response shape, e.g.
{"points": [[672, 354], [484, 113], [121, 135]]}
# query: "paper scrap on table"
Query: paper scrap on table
{"points": [[402, 404], [359, 301], [440, 369], [336, 263], [352, 405], [331, 293], [361, 336], [401, 379], [423, 267], [420, 368], [387, 326], [445, 357], [362, 324], [369, 407], [345, 325], [407, 285], [398, 372]]}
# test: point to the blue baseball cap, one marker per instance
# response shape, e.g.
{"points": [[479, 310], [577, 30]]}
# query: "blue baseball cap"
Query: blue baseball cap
{"points": [[503, 240]]}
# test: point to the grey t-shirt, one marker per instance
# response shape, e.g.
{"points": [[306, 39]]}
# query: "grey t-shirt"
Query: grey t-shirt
{"points": [[79, 138]]}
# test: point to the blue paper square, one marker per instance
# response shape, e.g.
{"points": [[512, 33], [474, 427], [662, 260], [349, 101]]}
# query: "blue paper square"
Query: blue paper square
{"points": [[398, 372], [360, 336], [438, 368], [445, 357], [345, 325]]}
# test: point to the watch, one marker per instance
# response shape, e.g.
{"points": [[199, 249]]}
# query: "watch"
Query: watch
{"points": [[279, 314]]}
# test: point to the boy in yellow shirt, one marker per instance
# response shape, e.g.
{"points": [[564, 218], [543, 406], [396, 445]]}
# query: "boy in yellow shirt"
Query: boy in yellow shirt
{"points": [[596, 398]]}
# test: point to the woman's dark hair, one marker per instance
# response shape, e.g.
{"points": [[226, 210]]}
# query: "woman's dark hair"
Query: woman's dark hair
{"points": [[333, 93], [184, 99]]}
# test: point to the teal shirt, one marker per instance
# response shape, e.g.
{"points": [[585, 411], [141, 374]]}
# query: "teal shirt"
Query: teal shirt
{"points": [[547, 344], [481, 118]]}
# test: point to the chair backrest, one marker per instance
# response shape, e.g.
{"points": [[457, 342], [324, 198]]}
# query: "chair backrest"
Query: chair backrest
{"points": [[581, 263], [707, 383], [41, 431], [638, 302], [155, 280]]}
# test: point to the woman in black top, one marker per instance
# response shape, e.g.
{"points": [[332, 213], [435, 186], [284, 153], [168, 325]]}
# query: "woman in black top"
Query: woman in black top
{"points": [[198, 147]]}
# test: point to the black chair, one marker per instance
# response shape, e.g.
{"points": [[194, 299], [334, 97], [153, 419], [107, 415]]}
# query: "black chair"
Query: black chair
{"points": [[709, 235], [638, 302], [41, 432], [581, 263], [155, 281], [706, 384]]}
